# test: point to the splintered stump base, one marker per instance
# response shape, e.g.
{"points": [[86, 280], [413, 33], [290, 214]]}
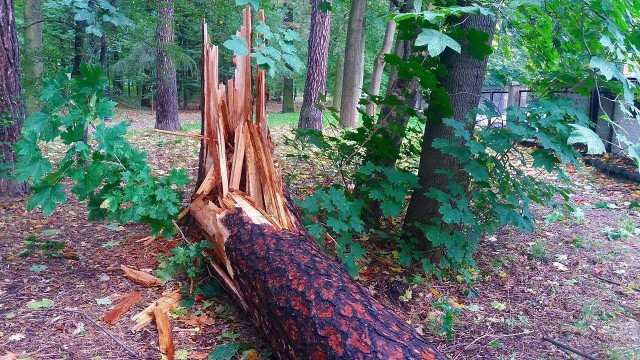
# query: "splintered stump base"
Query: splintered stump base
{"points": [[304, 302]]}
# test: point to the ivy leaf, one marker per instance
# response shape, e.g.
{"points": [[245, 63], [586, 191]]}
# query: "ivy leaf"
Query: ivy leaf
{"points": [[46, 196], [436, 42], [238, 45], [584, 135]]}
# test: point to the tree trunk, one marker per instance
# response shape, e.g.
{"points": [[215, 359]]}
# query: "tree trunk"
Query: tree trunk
{"points": [[354, 64], [78, 47], [11, 106], [304, 302], [287, 83], [310, 115], [378, 65], [463, 83], [32, 11], [166, 85], [337, 87]]}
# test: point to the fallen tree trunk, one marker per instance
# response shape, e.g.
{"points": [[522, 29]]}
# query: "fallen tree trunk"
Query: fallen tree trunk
{"points": [[304, 302]]}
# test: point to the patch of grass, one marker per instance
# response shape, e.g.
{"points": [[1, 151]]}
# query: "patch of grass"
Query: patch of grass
{"points": [[538, 251], [191, 126], [622, 354], [288, 119], [579, 242]]}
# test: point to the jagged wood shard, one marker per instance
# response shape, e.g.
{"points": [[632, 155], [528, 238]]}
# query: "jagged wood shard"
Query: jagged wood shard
{"points": [[304, 302]]}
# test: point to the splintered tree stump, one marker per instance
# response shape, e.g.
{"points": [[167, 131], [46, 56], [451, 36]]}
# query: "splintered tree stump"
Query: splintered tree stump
{"points": [[304, 302]]}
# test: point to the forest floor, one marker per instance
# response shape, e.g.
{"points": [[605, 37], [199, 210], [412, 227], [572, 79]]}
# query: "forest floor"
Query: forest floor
{"points": [[575, 280]]}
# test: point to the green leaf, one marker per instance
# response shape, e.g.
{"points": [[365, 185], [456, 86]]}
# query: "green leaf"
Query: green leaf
{"points": [[38, 268], [498, 305], [42, 304], [584, 135], [103, 301], [224, 352], [606, 68], [238, 45], [436, 42], [253, 3], [324, 6], [46, 196]]}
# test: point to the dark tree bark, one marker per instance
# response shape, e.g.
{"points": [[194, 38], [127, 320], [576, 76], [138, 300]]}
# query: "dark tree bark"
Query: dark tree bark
{"points": [[378, 64], [353, 63], [166, 84], [11, 105], [310, 115], [78, 47], [463, 83], [307, 305], [287, 83], [32, 11]]}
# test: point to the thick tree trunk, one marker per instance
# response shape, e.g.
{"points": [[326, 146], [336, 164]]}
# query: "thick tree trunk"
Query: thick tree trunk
{"points": [[166, 84], [304, 302], [463, 83], [353, 64], [378, 65], [32, 11], [11, 106], [287, 83], [310, 115]]}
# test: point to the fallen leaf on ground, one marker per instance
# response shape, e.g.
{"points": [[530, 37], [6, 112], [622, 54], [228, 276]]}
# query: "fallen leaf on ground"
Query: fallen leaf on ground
{"points": [[17, 337]]}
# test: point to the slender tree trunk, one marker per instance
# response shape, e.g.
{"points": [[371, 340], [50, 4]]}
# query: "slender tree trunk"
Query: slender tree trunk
{"points": [[463, 83], [337, 87], [287, 83], [166, 85], [32, 11], [378, 64], [78, 47], [287, 96], [310, 115], [354, 64], [11, 106]]}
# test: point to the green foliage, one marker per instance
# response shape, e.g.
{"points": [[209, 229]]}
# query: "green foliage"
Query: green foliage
{"points": [[500, 192], [48, 248], [538, 251], [104, 169], [228, 350], [186, 258], [42, 304], [95, 15], [450, 311], [335, 208]]}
